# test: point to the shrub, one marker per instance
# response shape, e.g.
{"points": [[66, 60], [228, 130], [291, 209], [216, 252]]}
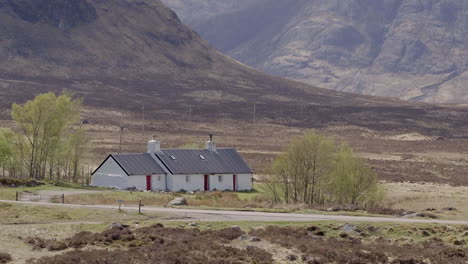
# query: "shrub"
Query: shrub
{"points": [[57, 246], [19, 182], [5, 257]]}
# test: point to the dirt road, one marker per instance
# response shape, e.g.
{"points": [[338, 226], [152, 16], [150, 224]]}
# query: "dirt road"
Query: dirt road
{"points": [[221, 215]]}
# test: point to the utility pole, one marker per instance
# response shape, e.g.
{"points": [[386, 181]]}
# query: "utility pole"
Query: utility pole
{"points": [[281, 114], [302, 111], [121, 132], [255, 113], [120, 144], [190, 112], [143, 118]]}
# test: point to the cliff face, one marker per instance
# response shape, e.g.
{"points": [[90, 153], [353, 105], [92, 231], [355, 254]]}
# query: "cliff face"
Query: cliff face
{"points": [[411, 49]]}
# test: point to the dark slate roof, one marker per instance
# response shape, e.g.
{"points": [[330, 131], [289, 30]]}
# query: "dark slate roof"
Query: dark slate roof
{"points": [[188, 161], [138, 164]]}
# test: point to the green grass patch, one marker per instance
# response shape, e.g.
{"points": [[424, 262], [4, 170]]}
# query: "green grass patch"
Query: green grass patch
{"points": [[11, 213], [9, 193]]}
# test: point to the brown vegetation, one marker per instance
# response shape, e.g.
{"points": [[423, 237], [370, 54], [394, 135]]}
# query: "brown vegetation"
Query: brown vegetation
{"points": [[156, 243], [352, 249], [331, 243], [10, 182]]}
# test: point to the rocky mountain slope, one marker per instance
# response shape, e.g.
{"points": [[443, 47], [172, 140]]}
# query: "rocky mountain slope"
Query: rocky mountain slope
{"points": [[126, 54], [411, 49]]}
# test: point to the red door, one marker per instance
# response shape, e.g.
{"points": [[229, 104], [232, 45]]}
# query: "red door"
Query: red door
{"points": [[234, 182], [207, 187], [148, 183]]}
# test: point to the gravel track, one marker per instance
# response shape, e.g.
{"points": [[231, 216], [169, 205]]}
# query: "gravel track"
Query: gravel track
{"points": [[222, 215]]}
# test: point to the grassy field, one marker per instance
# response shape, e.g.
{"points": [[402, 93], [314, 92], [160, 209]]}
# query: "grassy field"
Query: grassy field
{"points": [[429, 197], [16, 214]]}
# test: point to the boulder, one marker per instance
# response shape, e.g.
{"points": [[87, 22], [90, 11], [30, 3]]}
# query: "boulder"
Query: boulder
{"points": [[178, 201], [118, 225], [348, 228], [255, 239], [314, 260], [244, 237]]}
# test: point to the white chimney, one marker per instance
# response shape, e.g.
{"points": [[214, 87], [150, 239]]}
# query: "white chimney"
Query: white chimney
{"points": [[210, 145], [154, 146]]}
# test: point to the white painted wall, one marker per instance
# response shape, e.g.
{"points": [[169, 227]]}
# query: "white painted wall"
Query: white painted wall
{"points": [[139, 182], [178, 182], [158, 182], [244, 182], [110, 175], [196, 182], [224, 184]]}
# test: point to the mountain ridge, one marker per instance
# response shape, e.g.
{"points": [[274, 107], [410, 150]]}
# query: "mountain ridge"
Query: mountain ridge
{"points": [[126, 54], [410, 49]]}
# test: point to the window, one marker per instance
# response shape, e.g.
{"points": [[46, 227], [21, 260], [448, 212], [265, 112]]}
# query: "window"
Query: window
{"points": [[187, 178], [220, 178], [173, 158], [202, 157], [159, 178]]}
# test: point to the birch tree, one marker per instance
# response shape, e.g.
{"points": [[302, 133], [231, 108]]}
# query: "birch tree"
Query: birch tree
{"points": [[312, 171], [43, 123]]}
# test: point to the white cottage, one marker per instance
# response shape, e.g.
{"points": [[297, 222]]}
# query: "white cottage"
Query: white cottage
{"points": [[176, 169]]}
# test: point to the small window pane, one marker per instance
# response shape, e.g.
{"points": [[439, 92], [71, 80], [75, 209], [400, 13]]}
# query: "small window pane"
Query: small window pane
{"points": [[220, 178], [187, 178]]}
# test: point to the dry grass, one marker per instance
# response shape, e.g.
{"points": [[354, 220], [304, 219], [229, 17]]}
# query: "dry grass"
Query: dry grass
{"points": [[216, 199], [420, 197], [16, 214]]}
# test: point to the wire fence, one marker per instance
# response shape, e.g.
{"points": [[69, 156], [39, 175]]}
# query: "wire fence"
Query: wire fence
{"points": [[36, 197]]}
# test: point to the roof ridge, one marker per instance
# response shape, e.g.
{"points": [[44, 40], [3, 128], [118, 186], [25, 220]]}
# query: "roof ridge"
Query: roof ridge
{"points": [[193, 149], [117, 154]]}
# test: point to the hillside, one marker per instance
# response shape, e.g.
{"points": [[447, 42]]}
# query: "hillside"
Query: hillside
{"points": [[124, 54], [413, 50]]}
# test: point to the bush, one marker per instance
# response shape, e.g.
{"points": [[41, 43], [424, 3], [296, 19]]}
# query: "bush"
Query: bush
{"points": [[19, 182], [57, 246], [5, 257]]}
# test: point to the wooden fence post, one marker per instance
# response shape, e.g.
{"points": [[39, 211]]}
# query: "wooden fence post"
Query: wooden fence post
{"points": [[140, 204], [63, 198], [120, 204], [17, 196]]}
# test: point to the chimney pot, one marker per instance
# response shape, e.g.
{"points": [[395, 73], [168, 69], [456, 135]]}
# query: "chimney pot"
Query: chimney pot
{"points": [[154, 145]]}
